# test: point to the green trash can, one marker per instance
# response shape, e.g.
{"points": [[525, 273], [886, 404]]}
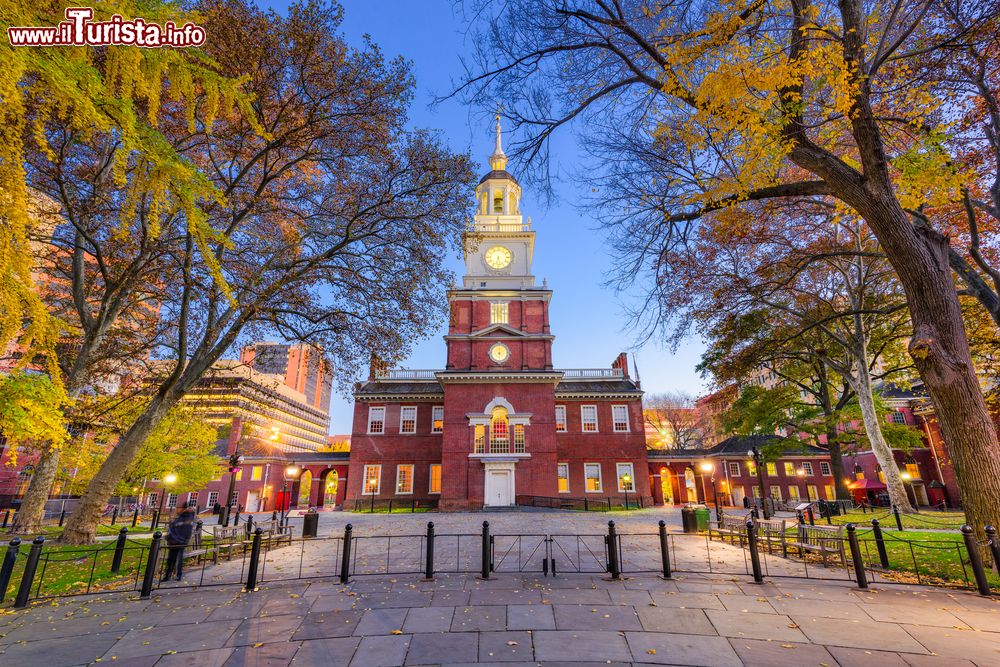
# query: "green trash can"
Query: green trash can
{"points": [[701, 516]]}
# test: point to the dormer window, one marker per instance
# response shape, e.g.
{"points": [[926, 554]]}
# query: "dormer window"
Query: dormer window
{"points": [[498, 313]]}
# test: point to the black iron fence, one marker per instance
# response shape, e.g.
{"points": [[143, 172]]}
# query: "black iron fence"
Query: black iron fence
{"points": [[595, 503], [371, 504], [743, 547]]}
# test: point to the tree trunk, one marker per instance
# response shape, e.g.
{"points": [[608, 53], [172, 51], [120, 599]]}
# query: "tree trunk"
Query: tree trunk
{"points": [[840, 490], [81, 527], [31, 514], [883, 452]]}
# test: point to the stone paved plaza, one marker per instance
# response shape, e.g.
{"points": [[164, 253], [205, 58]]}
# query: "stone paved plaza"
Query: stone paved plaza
{"points": [[515, 618]]}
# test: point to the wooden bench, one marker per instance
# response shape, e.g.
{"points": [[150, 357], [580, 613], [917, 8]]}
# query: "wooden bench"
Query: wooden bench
{"points": [[228, 539], [197, 549], [771, 533], [824, 540], [273, 533], [729, 526]]}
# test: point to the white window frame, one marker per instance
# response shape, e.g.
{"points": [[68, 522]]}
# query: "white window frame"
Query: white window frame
{"points": [[372, 411], [193, 498], [213, 497], [435, 411], [378, 479], [631, 474], [583, 420], [734, 469], [430, 479], [600, 479], [796, 495], [614, 419], [404, 410], [825, 469], [152, 499], [789, 469], [562, 472], [171, 501], [399, 470], [565, 424], [812, 490], [775, 492], [808, 467], [830, 491]]}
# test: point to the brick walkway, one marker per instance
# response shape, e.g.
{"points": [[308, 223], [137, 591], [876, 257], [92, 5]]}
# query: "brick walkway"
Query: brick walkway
{"points": [[513, 618]]}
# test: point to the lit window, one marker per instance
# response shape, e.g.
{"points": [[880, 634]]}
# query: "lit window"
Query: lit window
{"points": [[813, 492], [480, 438], [619, 418], [830, 495], [776, 492], [404, 478], [561, 418], [751, 468], [372, 480], [824, 468], [626, 480], [408, 419], [518, 438], [772, 470], [257, 473], [499, 431], [376, 420], [592, 477], [435, 483], [808, 467], [239, 474], [914, 470], [793, 493], [498, 313], [756, 491], [789, 469], [562, 474], [588, 418], [437, 419], [734, 469]]}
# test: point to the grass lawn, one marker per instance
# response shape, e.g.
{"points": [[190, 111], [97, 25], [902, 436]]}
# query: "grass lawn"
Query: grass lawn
{"points": [[918, 521]]}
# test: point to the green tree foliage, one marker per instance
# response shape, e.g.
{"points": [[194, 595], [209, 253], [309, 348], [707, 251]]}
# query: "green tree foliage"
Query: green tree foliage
{"points": [[31, 411]]}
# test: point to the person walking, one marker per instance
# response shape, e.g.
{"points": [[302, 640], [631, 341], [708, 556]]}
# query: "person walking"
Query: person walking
{"points": [[178, 535]]}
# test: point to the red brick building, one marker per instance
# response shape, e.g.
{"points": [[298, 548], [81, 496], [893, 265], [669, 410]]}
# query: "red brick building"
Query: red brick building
{"points": [[498, 424]]}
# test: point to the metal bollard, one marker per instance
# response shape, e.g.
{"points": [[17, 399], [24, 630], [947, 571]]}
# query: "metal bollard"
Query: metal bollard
{"points": [[883, 557], [114, 516], [155, 520], [254, 560], [899, 520], [28, 576], [274, 515], [429, 559], [614, 567], [62, 517], [135, 517], [116, 560], [7, 569], [485, 569], [236, 521], [994, 542], [975, 560], [345, 562], [758, 576], [249, 526], [664, 550], [151, 561], [859, 564]]}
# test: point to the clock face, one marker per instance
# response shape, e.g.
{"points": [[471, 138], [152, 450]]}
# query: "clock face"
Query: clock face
{"points": [[499, 353], [498, 257]]}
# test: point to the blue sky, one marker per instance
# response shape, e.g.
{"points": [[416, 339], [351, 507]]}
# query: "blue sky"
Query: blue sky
{"points": [[586, 317]]}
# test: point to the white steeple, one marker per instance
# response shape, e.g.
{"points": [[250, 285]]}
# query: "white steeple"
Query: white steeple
{"points": [[498, 161]]}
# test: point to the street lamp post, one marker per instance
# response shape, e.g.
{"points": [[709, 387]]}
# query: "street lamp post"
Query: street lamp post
{"points": [[291, 474], [758, 461], [234, 466], [709, 468], [168, 479], [626, 483]]}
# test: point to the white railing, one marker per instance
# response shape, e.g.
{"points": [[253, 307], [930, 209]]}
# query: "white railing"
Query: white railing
{"points": [[404, 374], [500, 227], [593, 373]]}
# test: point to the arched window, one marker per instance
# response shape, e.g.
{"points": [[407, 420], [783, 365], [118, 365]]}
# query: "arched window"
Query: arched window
{"points": [[498, 201], [305, 489], [330, 488], [499, 431]]}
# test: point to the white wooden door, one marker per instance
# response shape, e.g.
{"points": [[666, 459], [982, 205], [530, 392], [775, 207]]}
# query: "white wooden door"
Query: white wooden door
{"points": [[498, 488], [253, 499]]}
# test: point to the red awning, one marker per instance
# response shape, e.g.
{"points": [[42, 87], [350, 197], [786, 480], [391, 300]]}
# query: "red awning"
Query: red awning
{"points": [[867, 485]]}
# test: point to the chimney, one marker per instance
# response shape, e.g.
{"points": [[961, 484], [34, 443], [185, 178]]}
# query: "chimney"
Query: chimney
{"points": [[621, 361]]}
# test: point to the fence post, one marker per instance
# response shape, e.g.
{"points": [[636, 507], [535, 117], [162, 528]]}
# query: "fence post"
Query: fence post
{"points": [[151, 560], [154, 520], [586, 508], [758, 576], [994, 542], [883, 557], [429, 559], [116, 560], [345, 562], [254, 561], [975, 560], [114, 516], [62, 517], [236, 522], [801, 517], [9, 558], [664, 550], [859, 564], [485, 569], [249, 526], [614, 567], [812, 516], [274, 515], [28, 576], [899, 520], [135, 517]]}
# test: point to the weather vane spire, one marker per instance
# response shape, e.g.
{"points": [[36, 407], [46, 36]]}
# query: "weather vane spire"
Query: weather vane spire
{"points": [[499, 146]]}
